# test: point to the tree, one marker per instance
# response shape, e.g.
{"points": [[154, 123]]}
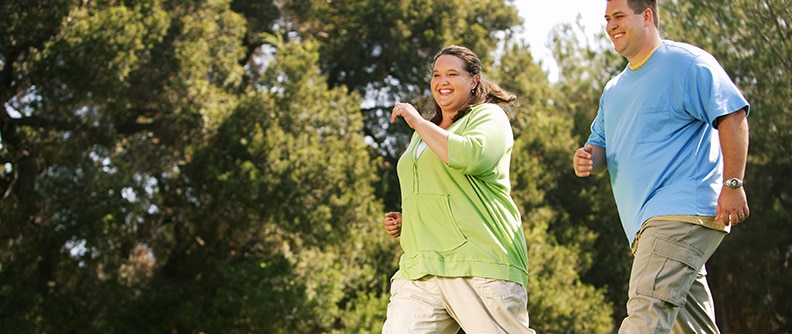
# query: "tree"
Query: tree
{"points": [[165, 196], [542, 182], [66, 125], [287, 181]]}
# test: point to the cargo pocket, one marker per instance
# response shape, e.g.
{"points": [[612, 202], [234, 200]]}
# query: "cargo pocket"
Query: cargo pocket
{"points": [[670, 271]]}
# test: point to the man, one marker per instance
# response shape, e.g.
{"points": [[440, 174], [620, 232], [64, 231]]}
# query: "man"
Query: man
{"points": [[672, 132]]}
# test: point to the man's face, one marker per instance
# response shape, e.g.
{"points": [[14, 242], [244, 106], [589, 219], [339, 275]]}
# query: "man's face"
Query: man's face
{"points": [[626, 29]]}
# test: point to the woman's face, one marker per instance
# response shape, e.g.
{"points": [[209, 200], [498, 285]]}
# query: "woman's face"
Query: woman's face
{"points": [[451, 83]]}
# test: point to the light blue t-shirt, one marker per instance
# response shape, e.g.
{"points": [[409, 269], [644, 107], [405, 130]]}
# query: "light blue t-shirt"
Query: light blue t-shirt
{"points": [[657, 126]]}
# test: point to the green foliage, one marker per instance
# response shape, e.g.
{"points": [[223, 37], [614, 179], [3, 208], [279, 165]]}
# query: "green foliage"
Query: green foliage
{"points": [[559, 301], [546, 191], [293, 165], [356, 52], [364, 314], [165, 203]]}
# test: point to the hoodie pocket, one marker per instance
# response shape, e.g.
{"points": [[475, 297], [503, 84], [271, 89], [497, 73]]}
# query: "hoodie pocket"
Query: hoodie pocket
{"points": [[431, 224]]}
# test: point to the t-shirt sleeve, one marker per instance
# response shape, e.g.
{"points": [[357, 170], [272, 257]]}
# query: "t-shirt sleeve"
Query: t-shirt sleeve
{"points": [[712, 93], [482, 142]]}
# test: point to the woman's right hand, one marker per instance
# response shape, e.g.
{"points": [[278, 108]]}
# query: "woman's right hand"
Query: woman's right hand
{"points": [[408, 112], [393, 223]]}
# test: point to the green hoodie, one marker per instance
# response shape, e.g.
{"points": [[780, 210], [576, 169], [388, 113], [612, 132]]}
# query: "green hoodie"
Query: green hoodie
{"points": [[459, 220]]}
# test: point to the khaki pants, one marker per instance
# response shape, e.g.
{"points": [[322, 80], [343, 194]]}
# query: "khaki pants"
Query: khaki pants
{"points": [[668, 283], [444, 304]]}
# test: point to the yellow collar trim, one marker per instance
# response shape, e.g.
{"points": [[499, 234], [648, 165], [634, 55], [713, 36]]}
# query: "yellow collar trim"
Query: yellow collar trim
{"points": [[637, 66]]}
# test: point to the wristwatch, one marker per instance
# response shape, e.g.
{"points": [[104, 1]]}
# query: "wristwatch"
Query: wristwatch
{"points": [[733, 183]]}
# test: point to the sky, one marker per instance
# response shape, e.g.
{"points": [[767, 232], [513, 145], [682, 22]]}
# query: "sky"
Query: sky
{"points": [[541, 17]]}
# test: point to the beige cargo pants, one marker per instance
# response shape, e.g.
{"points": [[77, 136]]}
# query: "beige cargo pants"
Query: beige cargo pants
{"points": [[668, 290]]}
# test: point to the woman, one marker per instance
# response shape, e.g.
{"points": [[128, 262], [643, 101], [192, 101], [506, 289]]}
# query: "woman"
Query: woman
{"points": [[465, 258]]}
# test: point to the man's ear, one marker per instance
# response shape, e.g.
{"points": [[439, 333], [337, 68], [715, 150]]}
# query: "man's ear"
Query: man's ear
{"points": [[649, 16]]}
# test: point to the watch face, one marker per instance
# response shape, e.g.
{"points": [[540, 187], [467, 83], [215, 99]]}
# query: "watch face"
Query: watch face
{"points": [[733, 183]]}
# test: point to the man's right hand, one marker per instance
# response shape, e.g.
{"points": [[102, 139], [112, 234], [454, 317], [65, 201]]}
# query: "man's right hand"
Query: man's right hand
{"points": [[583, 161]]}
